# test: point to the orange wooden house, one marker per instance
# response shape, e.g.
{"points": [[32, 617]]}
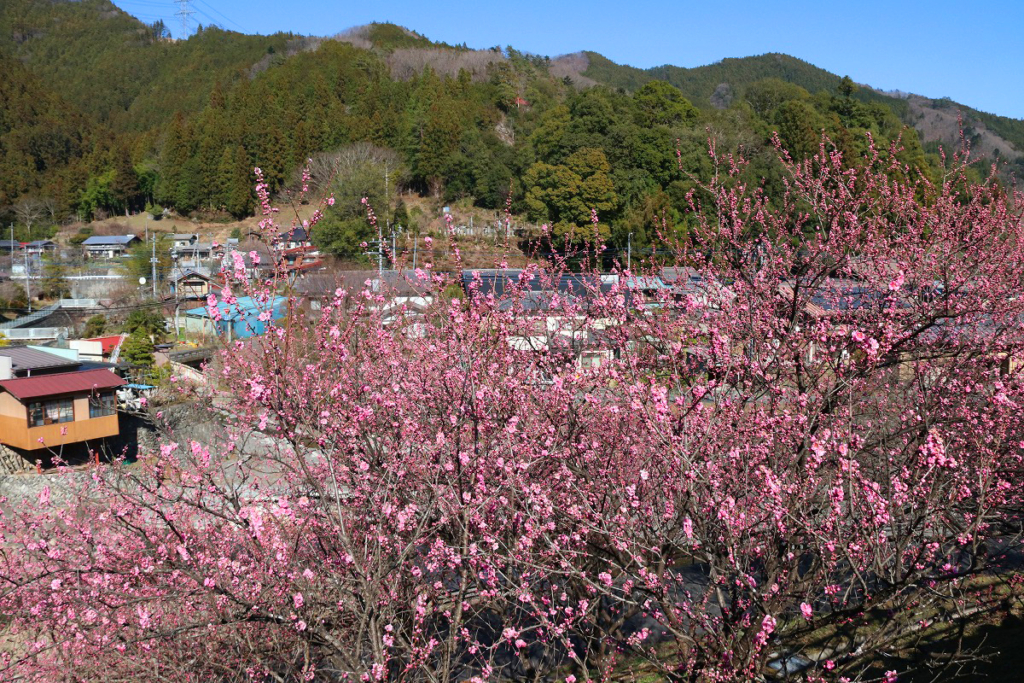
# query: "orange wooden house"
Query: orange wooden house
{"points": [[57, 409]]}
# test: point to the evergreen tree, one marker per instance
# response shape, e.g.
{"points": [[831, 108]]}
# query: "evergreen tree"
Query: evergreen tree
{"points": [[179, 187], [125, 182], [400, 216], [146, 322], [138, 349], [95, 326], [235, 181], [206, 164]]}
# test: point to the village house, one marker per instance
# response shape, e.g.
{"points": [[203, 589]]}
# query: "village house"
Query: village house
{"points": [[241, 320], [192, 284], [553, 307], [187, 249], [316, 290], [108, 246], [48, 400], [259, 268], [295, 238], [40, 247], [181, 241], [301, 259], [194, 253]]}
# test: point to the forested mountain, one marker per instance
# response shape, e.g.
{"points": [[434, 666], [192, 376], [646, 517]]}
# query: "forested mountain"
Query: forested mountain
{"points": [[723, 83], [120, 71], [101, 113], [43, 139]]}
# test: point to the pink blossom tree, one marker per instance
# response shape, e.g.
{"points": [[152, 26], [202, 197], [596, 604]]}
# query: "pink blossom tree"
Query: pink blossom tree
{"points": [[803, 456]]}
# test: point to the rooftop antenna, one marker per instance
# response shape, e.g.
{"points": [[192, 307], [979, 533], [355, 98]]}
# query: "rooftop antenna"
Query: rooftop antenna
{"points": [[184, 12]]}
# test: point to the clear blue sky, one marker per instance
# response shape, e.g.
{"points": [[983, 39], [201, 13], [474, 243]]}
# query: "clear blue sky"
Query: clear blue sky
{"points": [[971, 52]]}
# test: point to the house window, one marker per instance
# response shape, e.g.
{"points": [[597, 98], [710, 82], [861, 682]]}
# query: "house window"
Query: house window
{"points": [[102, 405], [51, 412], [592, 359]]}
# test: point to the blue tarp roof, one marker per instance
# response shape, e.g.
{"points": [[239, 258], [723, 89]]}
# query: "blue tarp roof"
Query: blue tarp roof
{"points": [[245, 305]]}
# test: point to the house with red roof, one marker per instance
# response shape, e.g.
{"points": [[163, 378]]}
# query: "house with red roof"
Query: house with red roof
{"points": [[53, 402]]}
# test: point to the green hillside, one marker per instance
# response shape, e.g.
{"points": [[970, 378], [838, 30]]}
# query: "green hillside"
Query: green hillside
{"points": [[724, 83], [102, 113], [43, 139], [120, 71]]}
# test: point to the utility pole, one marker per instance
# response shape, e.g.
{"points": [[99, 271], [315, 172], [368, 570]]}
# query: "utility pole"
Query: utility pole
{"points": [[152, 263], [387, 208], [629, 251], [28, 282], [415, 246], [176, 273]]}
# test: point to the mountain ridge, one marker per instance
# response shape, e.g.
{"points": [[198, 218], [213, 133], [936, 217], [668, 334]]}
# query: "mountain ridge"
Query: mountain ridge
{"points": [[190, 116], [989, 134]]}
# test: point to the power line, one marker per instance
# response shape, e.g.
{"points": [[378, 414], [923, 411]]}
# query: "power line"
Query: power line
{"points": [[219, 13], [148, 5]]}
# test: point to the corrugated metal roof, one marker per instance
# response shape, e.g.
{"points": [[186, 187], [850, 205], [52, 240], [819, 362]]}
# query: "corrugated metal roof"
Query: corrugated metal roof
{"points": [[680, 274], [296, 234], [96, 240], [62, 383], [24, 358], [646, 282], [108, 343], [245, 307]]}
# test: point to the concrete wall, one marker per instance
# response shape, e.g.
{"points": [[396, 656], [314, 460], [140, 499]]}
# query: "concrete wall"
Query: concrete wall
{"points": [[199, 326], [87, 350], [96, 287]]}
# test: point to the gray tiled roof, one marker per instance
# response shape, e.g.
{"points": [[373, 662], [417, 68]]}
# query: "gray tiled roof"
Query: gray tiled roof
{"points": [[24, 359], [108, 239], [201, 271]]}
